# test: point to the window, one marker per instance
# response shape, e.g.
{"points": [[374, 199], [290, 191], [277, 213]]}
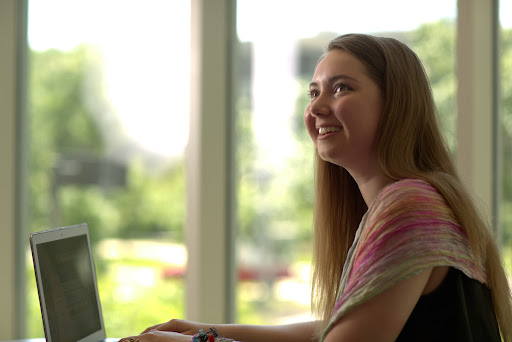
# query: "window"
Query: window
{"points": [[77, 132], [275, 155], [108, 111], [505, 81]]}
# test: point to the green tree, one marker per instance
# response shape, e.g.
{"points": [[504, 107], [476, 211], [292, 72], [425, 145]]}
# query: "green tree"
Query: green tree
{"points": [[63, 127], [60, 123], [152, 203], [506, 133], [434, 43]]}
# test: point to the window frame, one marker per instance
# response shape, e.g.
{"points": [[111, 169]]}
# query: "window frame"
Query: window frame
{"points": [[13, 144]]}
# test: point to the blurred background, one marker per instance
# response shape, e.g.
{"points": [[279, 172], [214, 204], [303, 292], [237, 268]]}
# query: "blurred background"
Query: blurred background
{"points": [[107, 117]]}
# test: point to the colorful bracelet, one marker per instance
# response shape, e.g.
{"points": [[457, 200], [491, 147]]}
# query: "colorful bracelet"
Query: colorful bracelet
{"points": [[209, 336]]}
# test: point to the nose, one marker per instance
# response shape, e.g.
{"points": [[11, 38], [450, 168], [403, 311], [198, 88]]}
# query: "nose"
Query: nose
{"points": [[319, 106]]}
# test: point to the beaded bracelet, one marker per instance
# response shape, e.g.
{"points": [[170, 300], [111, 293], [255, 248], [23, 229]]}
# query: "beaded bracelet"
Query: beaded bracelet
{"points": [[209, 336]]}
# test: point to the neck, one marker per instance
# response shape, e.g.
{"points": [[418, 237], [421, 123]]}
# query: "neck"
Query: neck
{"points": [[371, 186]]}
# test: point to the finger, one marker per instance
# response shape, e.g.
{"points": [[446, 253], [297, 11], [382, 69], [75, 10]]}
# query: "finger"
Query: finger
{"points": [[130, 339], [172, 325], [154, 327], [167, 326]]}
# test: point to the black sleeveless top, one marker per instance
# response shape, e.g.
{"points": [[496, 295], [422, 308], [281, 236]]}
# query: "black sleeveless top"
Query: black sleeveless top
{"points": [[460, 309]]}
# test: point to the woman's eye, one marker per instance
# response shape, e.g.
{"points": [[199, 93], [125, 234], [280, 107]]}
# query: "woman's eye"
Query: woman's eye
{"points": [[312, 93], [340, 87]]}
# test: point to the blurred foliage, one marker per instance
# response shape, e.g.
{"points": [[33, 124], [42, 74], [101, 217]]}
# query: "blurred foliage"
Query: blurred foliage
{"points": [[506, 134], [142, 304], [434, 43], [64, 125], [59, 122]]}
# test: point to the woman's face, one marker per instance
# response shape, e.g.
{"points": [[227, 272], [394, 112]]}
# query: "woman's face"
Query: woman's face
{"points": [[344, 112]]}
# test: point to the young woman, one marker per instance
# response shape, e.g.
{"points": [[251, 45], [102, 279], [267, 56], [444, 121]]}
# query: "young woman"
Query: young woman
{"points": [[401, 253]]}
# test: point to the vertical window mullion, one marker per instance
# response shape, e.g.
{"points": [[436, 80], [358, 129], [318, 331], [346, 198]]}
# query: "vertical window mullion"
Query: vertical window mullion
{"points": [[475, 99], [12, 43], [208, 222]]}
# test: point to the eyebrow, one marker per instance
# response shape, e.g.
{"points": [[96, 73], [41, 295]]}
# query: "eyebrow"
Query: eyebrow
{"points": [[335, 78]]}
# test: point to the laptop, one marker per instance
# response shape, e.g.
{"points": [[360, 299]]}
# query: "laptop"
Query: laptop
{"points": [[67, 286]]}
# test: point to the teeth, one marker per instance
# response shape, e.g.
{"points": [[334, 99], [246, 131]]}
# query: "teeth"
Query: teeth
{"points": [[325, 130]]}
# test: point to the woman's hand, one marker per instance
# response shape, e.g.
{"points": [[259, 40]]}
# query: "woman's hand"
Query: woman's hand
{"points": [[158, 336], [173, 331], [179, 326]]}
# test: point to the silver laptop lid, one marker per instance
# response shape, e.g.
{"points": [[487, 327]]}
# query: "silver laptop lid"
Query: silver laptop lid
{"points": [[66, 284]]}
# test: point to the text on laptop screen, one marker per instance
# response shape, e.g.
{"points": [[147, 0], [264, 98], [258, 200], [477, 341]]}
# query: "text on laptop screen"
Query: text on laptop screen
{"points": [[69, 288]]}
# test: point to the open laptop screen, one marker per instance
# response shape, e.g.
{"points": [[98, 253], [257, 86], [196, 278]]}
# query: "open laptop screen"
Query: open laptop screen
{"points": [[69, 288]]}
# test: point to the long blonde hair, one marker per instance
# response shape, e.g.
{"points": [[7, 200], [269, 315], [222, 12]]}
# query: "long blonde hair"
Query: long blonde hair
{"points": [[410, 145]]}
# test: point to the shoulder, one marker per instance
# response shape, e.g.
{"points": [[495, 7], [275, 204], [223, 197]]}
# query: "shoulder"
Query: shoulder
{"points": [[409, 202], [409, 195], [411, 189]]}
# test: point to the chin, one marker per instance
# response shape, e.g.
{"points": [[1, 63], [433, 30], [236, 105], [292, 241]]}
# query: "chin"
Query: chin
{"points": [[329, 157]]}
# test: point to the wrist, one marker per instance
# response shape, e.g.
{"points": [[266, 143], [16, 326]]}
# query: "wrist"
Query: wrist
{"points": [[210, 336]]}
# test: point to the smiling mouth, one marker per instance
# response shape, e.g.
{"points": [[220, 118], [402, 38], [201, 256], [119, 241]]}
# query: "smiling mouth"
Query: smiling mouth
{"points": [[325, 130]]}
